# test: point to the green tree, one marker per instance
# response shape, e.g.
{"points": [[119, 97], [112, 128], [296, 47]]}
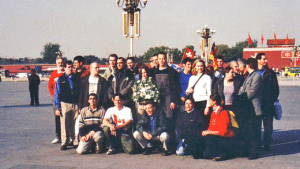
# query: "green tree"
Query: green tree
{"points": [[50, 52], [234, 52], [88, 59], [151, 51], [39, 60]]}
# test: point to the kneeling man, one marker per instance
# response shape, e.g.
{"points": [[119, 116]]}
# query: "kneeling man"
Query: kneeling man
{"points": [[117, 122], [90, 126], [152, 126]]}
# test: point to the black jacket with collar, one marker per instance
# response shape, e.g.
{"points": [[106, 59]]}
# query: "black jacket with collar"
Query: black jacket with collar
{"points": [[160, 123], [101, 92], [219, 89], [270, 90]]}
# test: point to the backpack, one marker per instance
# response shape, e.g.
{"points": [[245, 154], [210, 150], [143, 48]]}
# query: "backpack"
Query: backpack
{"points": [[233, 122]]}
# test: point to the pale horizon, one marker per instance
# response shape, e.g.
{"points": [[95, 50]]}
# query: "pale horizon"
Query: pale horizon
{"points": [[95, 27]]}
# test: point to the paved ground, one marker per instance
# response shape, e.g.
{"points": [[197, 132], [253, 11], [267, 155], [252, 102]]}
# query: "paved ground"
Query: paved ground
{"points": [[26, 133]]}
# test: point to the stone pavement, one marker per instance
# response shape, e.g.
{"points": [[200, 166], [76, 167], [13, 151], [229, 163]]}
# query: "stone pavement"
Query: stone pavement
{"points": [[26, 133]]}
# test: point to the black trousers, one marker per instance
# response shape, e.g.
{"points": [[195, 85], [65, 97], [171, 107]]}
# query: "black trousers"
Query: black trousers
{"points": [[200, 106], [57, 123], [34, 96], [123, 137], [252, 130], [267, 119], [217, 145], [196, 144]]}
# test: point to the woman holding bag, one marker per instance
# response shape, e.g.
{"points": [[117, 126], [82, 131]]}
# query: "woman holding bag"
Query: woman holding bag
{"points": [[200, 88]]}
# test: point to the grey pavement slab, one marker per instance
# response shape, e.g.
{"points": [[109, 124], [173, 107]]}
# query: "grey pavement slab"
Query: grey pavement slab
{"points": [[26, 133]]}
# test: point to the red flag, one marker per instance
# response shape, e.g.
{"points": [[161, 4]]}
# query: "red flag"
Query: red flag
{"points": [[262, 39], [275, 38], [188, 53], [249, 39], [287, 39]]}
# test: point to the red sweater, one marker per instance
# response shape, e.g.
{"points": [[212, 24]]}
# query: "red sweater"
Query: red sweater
{"points": [[220, 122], [51, 83]]}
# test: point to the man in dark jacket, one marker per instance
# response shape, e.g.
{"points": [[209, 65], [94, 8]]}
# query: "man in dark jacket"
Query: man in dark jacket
{"points": [[34, 82], [270, 94], [66, 99], [152, 126], [93, 84], [170, 88], [121, 83]]}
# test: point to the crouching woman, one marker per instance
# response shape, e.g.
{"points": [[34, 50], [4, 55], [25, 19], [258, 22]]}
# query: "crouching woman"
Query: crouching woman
{"points": [[218, 137]]}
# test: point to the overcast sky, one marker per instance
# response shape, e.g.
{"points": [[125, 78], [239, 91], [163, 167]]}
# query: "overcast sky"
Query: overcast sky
{"points": [[94, 27]]}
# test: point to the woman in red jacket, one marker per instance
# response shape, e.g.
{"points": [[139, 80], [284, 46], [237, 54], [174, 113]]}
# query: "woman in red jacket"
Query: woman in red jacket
{"points": [[218, 137]]}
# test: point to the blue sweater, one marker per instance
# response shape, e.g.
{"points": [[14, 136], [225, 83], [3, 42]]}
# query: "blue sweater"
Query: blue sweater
{"points": [[184, 82]]}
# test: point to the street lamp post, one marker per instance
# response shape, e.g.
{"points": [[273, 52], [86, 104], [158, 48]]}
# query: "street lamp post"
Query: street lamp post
{"points": [[206, 34], [131, 18]]}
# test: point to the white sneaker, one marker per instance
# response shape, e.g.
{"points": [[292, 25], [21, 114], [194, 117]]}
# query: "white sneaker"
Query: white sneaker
{"points": [[55, 141]]}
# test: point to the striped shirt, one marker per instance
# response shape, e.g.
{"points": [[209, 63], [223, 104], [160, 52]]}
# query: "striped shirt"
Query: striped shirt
{"points": [[90, 120]]}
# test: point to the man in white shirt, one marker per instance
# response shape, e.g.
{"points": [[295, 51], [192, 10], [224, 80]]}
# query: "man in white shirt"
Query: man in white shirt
{"points": [[117, 122]]}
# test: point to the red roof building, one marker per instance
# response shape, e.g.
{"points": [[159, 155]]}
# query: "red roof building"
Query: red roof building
{"points": [[279, 55]]}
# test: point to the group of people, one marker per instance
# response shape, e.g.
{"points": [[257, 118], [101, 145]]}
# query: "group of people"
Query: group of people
{"points": [[193, 115]]}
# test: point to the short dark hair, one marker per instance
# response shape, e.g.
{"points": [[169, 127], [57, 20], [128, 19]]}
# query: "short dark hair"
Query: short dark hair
{"points": [[252, 63], [190, 98], [227, 69], [155, 54], [124, 60], [150, 102], [93, 94], [68, 62], [120, 96], [113, 55], [185, 60], [131, 58], [219, 57], [258, 56], [80, 59], [216, 98], [162, 53], [32, 70]]}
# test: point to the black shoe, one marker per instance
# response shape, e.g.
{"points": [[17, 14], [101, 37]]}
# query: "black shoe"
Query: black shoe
{"points": [[196, 156], [267, 148], [71, 144], [146, 151], [63, 147], [253, 156], [75, 146], [165, 153]]}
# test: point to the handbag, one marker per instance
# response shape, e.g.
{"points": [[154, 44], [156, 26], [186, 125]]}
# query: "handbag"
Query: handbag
{"points": [[190, 94], [278, 110]]}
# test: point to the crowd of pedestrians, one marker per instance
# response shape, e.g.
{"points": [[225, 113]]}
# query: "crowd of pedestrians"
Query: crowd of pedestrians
{"points": [[206, 113]]}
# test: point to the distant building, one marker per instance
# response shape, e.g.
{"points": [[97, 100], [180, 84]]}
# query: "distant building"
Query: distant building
{"points": [[281, 54]]}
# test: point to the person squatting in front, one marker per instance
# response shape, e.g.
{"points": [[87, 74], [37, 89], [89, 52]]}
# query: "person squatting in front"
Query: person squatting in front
{"points": [[118, 127], [91, 127], [152, 127]]}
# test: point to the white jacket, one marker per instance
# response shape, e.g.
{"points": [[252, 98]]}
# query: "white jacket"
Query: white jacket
{"points": [[202, 90]]}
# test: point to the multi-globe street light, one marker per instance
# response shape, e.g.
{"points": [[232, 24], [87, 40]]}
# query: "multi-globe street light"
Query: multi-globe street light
{"points": [[131, 18], [206, 34]]}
